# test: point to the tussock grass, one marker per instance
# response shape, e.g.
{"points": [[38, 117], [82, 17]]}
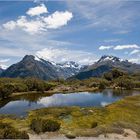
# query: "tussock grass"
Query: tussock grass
{"points": [[124, 113]]}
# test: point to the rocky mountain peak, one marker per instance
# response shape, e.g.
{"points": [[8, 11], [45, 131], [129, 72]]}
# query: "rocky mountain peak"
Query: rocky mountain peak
{"points": [[28, 57], [110, 58]]}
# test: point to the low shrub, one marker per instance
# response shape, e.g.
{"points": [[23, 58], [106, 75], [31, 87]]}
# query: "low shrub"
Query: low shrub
{"points": [[6, 90], [93, 84], [137, 84], [126, 83], [20, 87], [94, 124], [41, 125], [8, 132], [102, 85]]}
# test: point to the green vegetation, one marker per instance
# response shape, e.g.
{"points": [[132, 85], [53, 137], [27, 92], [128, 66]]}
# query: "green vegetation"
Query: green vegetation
{"points": [[94, 124], [42, 125], [114, 74], [113, 79], [120, 79], [124, 82], [76, 121], [9, 132], [5, 90], [73, 121], [12, 85]]}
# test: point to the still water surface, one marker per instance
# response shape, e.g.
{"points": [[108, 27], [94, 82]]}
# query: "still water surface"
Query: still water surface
{"points": [[22, 104]]}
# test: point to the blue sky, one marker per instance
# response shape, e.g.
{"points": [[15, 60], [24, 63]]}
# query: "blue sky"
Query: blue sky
{"points": [[59, 31]]}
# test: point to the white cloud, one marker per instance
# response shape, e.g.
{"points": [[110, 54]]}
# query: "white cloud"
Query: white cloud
{"points": [[112, 40], [135, 60], [106, 14], [30, 26], [38, 10], [10, 25], [4, 60], [58, 19], [40, 23], [122, 32], [62, 55], [121, 47], [2, 63], [134, 52], [3, 66], [16, 52], [105, 47]]}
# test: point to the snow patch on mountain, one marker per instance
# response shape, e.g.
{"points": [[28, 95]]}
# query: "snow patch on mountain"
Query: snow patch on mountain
{"points": [[110, 58], [66, 64]]}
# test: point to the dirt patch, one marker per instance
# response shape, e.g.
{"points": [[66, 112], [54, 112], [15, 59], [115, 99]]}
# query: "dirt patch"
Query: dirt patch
{"points": [[127, 135]]}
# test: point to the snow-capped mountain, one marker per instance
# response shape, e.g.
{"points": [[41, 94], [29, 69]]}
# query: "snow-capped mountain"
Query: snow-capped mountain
{"points": [[33, 66], [105, 64], [110, 58], [64, 69], [66, 64], [68, 69], [69, 64]]}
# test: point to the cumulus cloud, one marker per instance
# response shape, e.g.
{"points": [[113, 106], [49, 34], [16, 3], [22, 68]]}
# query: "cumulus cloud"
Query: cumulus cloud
{"points": [[58, 19], [30, 26], [39, 23], [62, 55], [134, 52], [105, 47], [38, 10], [10, 25]]}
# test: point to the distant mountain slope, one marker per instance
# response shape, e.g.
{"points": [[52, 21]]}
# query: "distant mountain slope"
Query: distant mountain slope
{"points": [[1, 70], [105, 64], [67, 69], [31, 66]]}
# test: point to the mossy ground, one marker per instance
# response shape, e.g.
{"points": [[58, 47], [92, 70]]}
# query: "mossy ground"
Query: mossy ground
{"points": [[122, 114], [78, 121]]}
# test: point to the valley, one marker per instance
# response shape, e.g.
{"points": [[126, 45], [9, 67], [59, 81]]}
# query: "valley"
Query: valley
{"points": [[39, 99]]}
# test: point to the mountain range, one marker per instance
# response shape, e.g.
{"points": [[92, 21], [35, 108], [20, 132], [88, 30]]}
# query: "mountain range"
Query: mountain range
{"points": [[105, 64], [33, 66]]}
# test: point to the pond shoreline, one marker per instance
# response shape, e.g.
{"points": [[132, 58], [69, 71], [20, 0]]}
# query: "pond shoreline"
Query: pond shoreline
{"points": [[51, 92], [34, 100]]}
